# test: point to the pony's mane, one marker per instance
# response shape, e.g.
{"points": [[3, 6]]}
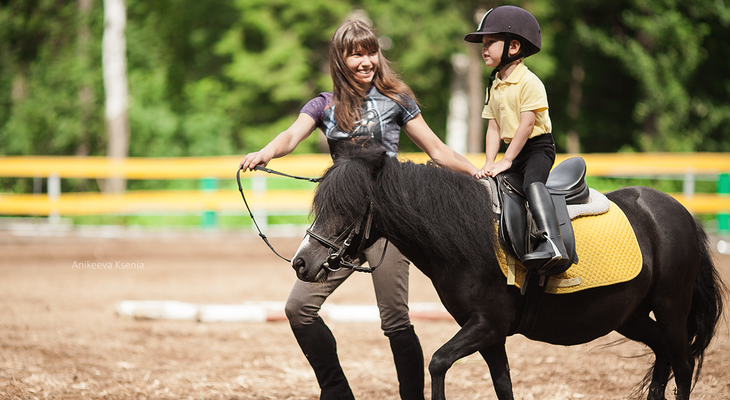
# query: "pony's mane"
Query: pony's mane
{"points": [[450, 212], [445, 212], [348, 181]]}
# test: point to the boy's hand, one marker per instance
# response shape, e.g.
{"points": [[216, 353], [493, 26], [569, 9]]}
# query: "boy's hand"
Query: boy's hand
{"points": [[485, 171], [491, 168], [500, 166]]}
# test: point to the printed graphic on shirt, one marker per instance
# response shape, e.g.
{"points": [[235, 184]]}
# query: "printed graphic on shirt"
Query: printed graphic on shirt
{"points": [[368, 127], [381, 120]]}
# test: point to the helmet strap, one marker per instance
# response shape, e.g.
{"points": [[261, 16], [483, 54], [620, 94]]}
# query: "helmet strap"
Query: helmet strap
{"points": [[506, 59]]}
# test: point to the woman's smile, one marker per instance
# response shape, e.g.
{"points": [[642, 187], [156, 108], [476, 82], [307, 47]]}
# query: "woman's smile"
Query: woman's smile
{"points": [[363, 64]]}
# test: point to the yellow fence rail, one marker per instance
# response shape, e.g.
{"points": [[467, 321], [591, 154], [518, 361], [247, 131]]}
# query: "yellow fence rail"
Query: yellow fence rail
{"points": [[685, 165], [599, 164]]}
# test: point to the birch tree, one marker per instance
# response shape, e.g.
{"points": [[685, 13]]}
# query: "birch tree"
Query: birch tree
{"points": [[115, 85]]}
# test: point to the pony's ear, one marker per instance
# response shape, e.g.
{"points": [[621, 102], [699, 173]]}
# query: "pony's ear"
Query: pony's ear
{"points": [[377, 162], [374, 157], [369, 154]]}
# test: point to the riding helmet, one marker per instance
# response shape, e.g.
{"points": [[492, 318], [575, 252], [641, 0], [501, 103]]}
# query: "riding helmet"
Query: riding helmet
{"points": [[513, 20], [515, 23]]}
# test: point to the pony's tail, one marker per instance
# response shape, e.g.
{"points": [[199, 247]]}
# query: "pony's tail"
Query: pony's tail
{"points": [[707, 303]]}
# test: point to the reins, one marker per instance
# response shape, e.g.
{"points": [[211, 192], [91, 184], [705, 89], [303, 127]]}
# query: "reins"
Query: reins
{"points": [[335, 259], [240, 189], [271, 171]]}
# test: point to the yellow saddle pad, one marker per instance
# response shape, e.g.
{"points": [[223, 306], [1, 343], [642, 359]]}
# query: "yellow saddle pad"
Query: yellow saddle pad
{"points": [[608, 253]]}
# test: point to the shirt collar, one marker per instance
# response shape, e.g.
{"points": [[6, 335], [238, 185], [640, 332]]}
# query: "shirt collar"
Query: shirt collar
{"points": [[516, 75]]}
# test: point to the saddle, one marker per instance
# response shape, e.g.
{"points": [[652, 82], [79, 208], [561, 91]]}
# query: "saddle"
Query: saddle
{"points": [[517, 231]]}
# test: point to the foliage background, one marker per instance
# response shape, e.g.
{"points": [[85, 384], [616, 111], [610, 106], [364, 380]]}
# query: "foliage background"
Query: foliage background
{"points": [[221, 77]]}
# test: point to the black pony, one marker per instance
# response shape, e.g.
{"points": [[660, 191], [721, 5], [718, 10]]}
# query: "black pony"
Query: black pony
{"points": [[444, 223]]}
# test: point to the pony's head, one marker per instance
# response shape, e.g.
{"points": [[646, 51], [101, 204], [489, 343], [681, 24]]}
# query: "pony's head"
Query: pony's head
{"points": [[343, 226], [431, 214]]}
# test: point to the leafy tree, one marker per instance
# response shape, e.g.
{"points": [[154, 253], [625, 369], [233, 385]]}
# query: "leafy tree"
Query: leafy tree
{"points": [[225, 76], [178, 105], [709, 84], [591, 98], [41, 75], [659, 47], [278, 51]]}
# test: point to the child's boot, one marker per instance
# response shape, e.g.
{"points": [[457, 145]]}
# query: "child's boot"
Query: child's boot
{"points": [[550, 251]]}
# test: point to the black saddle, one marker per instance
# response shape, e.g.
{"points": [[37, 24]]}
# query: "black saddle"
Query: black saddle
{"points": [[517, 230]]}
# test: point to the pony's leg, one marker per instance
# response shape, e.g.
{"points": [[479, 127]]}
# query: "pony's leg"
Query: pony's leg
{"points": [[645, 330], [474, 336], [496, 358], [673, 324]]}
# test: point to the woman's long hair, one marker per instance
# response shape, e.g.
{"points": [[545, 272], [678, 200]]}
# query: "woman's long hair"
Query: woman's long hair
{"points": [[348, 95]]}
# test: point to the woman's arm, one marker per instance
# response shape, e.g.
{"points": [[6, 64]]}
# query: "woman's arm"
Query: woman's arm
{"points": [[283, 144], [422, 135]]}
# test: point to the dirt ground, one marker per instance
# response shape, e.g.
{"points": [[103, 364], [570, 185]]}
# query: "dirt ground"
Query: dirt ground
{"points": [[60, 337]]}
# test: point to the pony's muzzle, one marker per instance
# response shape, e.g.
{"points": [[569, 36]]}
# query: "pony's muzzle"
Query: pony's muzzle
{"points": [[307, 274]]}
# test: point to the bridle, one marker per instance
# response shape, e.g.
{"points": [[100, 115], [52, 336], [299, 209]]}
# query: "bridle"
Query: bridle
{"points": [[336, 259]]}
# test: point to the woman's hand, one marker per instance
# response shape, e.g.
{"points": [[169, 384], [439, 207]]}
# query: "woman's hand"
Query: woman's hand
{"points": [[251, 160], [283, 144]]}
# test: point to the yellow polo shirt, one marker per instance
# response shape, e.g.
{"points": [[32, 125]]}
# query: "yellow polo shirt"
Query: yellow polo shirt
{"points": [[521, 91]]}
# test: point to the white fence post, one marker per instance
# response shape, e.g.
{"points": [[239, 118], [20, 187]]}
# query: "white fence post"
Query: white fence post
{"points": [[258, 187], [54, 193]]}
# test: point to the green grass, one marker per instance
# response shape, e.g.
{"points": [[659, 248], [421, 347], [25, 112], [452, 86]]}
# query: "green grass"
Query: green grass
{"points": [[603, 184]]}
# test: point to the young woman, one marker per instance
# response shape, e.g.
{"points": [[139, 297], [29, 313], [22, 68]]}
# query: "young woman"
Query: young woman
{"points": [[369, 103]]}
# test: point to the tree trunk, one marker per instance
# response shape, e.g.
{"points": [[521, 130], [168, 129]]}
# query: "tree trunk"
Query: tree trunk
{"points": [[85, 91], [575, 96], [114, 49], [475, 93], [458, 120]]}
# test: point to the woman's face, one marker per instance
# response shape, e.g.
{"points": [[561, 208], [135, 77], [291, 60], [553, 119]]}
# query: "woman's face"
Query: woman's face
{"points": [[363, 63]]}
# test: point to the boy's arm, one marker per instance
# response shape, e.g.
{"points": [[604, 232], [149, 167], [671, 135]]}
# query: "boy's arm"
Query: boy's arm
{"points": [[527, 122], [492, 142]]}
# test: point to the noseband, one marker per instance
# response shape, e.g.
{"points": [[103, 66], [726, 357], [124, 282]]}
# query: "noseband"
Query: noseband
{"points": [[336, 259]]}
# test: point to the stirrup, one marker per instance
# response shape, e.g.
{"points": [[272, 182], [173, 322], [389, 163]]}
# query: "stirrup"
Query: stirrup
{"points": [[553, 262], [557, 256], [547, 262]]}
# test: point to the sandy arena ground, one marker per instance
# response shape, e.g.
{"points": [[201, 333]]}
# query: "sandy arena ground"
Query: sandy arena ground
{"points": [[60, 337]]}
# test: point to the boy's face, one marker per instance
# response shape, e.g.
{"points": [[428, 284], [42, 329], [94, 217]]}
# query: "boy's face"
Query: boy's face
{"points": [[492, 47]]}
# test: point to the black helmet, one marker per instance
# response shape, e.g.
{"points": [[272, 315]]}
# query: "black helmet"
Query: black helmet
{"points": [[514, 21]]}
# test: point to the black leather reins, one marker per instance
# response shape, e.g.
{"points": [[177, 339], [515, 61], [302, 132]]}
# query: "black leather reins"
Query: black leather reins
{"points": [[240, 189]]}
